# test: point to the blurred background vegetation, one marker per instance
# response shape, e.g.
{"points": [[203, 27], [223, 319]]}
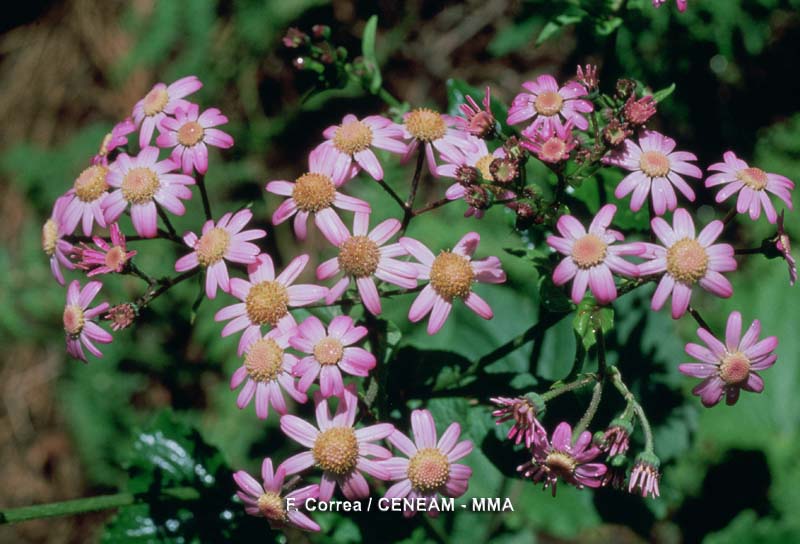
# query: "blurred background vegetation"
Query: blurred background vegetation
{"points": [[69, 70]]}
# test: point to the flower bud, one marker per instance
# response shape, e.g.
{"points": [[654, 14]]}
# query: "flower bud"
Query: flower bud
{"points": [[624, 88], [504, 170], [321, 32], [588, 76], [122, 316], [615, 133], [294, 38], [467, 175]]}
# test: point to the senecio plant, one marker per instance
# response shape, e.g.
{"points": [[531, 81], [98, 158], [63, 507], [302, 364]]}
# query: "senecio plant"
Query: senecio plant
{"points": [[156, 159]]}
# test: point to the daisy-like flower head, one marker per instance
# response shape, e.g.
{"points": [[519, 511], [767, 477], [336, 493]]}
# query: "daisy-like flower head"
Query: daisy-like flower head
{"points": [[361, 259], [266, 299], [480, 159], [592, 256], [645, 475], [267, 371], [478, 120], [330, 353], [682, 4], [655, 168], [53, 243], [355, 139], [429, 467], [434, 131], [219, 242], [685, 260], [79, 324], [560, 458], [752, 184], [639, 111], [141, 182], [116, 138], [190, 133], [451, 275], [315, 192], [523, 411], [109, 257], [268, 501], [549, 105], [727, 368], [552, 143], [85, 199], [336, 447], [617, 437], [162, 100], [784, 246]]}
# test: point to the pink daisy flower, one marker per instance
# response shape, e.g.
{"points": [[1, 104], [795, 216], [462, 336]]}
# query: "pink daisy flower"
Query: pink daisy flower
{"points": [[53, 243], [592, 256], [478, 120], [355, 139], [730, 367], [752, 184], [361, 258], [79, 325], [550, 106], [645, 475], [429, 468], [451, 275], [266, 299], [85, 199], [655, 168], [435, 131], [682, 4], [190, 133], [561, 458], [337, 448], [219, 242], [330, 353], [522, 411], [685, 260], [141, 182], [267, 371], [315, 192], [108, 258], [480, 159], [159, 102], [268, 501], [553, 143], [118, 137]]}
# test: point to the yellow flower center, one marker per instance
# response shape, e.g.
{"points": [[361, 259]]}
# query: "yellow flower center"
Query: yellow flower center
{"points": [[313, 192], [115, 258], [548, 103], [91, 183], [755, 178], [139, 185], [328, 351], [49, 236], [155, 101], [212, 246], [589, 251], [271, 506], [336, 450], [352, 137], [483, 165], [560, 463], [451, 275], [687, 260], [73, 320], [359, 256], [735, 368], [654, 163], [264, 360], [266, 303], [425, 125], [428, 469], [190, 133]]}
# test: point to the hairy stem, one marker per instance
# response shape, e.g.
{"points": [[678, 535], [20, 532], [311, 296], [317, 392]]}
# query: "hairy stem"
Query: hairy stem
{"points": [[616, 380], [567, 387], [597, 394]]}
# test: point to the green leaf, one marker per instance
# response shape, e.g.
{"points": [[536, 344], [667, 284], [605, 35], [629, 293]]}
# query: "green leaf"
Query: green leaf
{"points": [[659, 96], [368, 52], [571, 17], [607, 26], [591, 319]]}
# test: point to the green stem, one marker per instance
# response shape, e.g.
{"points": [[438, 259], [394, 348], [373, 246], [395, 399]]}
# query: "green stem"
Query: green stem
{"points": [[567, 387], [392, 193], [201, 184], [387, 97], [136, 271], [729, 216], [616, 380], [164, 285], [597, 394], [412, 195], [91, 504]]}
